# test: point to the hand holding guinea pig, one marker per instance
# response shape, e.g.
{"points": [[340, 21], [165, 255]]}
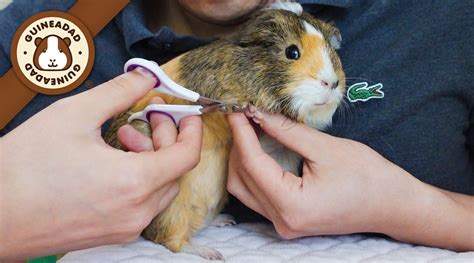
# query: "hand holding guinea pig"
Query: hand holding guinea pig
{"points": [[346, 187]]}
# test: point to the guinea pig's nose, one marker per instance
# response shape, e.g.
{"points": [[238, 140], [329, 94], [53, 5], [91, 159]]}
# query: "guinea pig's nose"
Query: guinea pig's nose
{"points": [[329, 84]]}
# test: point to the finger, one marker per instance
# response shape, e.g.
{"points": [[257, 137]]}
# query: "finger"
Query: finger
{"points": [[267, 185], [177, 159], [244, 136], [134, 140], [237, 188], [116, 95], [163, 127], [295, 136], [268, 176]]}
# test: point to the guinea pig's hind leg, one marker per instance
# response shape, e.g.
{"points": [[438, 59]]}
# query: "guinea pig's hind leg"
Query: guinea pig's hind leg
{"points": [[174, 226]]}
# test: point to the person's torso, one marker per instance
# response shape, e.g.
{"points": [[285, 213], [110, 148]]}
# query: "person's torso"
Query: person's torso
{"points": [[420, 53]]}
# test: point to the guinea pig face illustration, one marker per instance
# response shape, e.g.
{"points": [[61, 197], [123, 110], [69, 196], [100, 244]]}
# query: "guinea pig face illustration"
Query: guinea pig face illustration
{"points": [[52, 53]]}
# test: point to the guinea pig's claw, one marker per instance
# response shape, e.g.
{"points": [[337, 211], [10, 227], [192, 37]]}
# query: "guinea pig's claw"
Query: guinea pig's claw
{"points": [[203, 251]]}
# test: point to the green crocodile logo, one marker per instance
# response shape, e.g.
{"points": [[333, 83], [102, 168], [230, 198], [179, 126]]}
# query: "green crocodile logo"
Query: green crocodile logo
{"points": [[363, 92]]}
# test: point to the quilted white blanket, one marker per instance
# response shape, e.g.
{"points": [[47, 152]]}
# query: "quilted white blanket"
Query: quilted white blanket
{"points": [[259, 243]]}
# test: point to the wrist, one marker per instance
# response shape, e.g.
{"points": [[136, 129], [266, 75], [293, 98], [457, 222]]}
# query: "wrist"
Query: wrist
{"points": [[409, 206], [425, 215]]}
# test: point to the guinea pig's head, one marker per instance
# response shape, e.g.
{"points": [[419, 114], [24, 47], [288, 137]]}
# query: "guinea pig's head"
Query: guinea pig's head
{"points": [[291, 66], [52, 53]]}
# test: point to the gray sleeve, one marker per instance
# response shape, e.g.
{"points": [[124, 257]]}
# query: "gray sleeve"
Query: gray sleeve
{"points": [[470, 137], [4, 62]]}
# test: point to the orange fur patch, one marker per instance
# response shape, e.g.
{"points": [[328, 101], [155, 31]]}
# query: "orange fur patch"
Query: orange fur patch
{"points": [[311, 61]]}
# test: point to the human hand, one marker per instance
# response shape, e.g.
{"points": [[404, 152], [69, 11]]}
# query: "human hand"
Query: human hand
{"points": [[63, 188], [346, 187]]}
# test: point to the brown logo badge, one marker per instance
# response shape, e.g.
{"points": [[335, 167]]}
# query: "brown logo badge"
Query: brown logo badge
{"points": [[52, 52]]}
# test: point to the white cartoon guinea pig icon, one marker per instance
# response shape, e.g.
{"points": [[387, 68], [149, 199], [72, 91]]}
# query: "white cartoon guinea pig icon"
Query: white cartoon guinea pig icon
{"points": [[52, 53]]}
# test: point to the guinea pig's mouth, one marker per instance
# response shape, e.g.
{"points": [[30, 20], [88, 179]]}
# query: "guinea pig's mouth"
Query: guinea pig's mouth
{"points": [[320, 104], [324, 101], [52, 65]]}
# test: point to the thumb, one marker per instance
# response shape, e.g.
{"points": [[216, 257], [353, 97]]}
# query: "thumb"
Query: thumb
{"points": [[116, 95], [295, 136]]}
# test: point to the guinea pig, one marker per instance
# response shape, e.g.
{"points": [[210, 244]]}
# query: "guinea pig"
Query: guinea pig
{"points": [[52, 53], [281, 61]]}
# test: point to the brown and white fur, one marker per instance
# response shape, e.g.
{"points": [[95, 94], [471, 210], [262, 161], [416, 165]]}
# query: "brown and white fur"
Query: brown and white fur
{"points": [[251, 66], [52, 53]]}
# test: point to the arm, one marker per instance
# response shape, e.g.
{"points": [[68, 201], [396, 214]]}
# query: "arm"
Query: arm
{"points": [[440, 218], [346, 187], [62, 188]]}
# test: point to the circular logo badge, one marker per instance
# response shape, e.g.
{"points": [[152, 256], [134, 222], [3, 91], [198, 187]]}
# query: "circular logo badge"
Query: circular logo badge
{"points": [[52, 52]]}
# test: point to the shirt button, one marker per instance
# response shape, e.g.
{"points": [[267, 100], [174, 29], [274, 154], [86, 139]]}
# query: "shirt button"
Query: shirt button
{"points": [[167, 46]]}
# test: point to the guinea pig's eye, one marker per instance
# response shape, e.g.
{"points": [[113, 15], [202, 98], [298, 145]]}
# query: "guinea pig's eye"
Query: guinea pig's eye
{"points": [[292, 52], [60, 50], [44, 50]]}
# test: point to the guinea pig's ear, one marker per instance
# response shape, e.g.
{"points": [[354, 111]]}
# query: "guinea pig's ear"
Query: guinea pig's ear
{"points": [[244, 38], [67, 41], [288, 6], [38, 41], [335, 38]]}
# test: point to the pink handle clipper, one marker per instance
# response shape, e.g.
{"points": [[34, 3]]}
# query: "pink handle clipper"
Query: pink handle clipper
{"points": [[164, 84], [175, 112]]}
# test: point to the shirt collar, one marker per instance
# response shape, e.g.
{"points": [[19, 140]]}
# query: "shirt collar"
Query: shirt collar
{"points": [[132, 23]]}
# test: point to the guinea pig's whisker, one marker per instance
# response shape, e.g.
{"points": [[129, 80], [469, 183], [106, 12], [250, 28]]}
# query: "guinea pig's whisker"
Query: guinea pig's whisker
{"points": [[286, 106], [346, 112], [357, 79], [350, 108]]}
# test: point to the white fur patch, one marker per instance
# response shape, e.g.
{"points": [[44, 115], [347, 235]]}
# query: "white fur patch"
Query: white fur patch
{"points": [[289, 6], [306, 97], [310, 29], [52, 59], [327, 72], [287, 159]]}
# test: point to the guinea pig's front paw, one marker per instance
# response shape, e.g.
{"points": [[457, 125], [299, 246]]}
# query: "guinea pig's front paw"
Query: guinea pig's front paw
{"points": [[203, 251], [223, 220], [253, 113]]}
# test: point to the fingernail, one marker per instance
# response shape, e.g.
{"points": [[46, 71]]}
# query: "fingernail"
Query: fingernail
{"points": [[252, 108], [249, 114], [258, 118], [148, 116], [250, 111], [258, 115], [145, 72]]}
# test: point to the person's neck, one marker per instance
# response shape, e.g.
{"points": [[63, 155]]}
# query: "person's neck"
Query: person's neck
{"points": [[170, 13]]}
